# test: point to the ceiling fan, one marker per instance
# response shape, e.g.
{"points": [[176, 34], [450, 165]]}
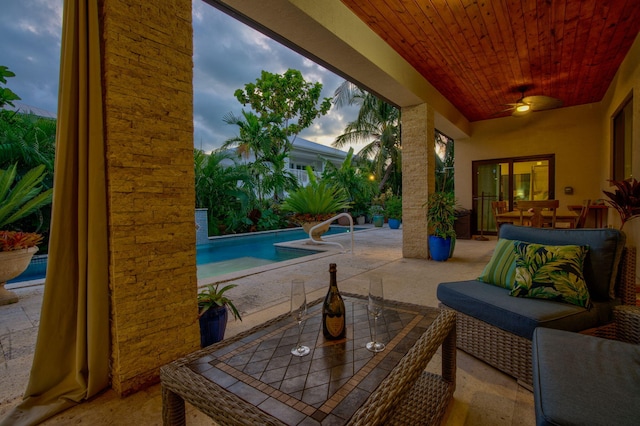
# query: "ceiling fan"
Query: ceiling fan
{"points": [[526, 104]]}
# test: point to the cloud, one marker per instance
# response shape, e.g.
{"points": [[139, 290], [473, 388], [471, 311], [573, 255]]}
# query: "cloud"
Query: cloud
{"points": [[227, 55]]}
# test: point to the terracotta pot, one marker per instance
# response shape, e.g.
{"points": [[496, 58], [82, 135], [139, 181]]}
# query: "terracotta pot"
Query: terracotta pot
{"points": [[317, 234], [12, 264]]}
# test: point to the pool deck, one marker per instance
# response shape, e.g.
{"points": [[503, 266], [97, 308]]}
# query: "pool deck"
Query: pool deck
{"points": [[483, 396]]}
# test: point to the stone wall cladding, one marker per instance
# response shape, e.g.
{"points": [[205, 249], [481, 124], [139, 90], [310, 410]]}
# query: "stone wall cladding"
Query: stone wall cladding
{"points": [[147, 69], [418, 178]]}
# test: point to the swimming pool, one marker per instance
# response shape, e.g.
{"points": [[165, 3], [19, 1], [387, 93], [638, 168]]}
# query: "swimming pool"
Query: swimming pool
{"points": [[236, 253], [223, 255]]}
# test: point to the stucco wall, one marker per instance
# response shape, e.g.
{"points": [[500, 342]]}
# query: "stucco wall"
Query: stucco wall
{"points": [[626, 81], [572, 134]]}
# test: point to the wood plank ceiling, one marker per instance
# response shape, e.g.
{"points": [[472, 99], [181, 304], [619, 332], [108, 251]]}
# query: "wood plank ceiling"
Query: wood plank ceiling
{"points": [[479, 53]]}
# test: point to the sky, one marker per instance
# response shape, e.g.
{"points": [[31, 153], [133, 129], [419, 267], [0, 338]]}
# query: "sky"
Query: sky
{"points": [[227, 55]]}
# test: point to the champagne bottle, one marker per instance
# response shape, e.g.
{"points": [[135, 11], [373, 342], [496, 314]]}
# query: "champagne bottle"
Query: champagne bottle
{"points": [[333, 311]]}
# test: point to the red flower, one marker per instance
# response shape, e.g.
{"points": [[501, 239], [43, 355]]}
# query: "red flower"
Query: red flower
{"points": [[13, 240]]}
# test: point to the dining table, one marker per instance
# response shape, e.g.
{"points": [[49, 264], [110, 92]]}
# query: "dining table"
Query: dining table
{"points": [[252, 378], [562, 216]]}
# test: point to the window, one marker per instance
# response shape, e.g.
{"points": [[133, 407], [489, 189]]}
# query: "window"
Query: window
{"points": [[622, 125]]}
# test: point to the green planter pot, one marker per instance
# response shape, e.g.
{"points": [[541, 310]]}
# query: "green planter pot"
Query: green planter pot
{"points": [[378, 220]]}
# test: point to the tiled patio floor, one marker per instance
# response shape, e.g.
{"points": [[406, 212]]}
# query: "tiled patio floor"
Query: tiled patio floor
{"points": [[483, 395]]}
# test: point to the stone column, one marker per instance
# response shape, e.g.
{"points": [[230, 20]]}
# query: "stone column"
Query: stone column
{"points": [[147, 84], [418, 177]]}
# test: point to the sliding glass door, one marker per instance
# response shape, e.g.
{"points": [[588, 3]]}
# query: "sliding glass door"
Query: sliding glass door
{"points": [[510, 180]]}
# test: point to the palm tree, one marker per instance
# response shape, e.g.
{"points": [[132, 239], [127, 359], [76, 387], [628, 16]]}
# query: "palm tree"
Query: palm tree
{"points": [[378, 124], [353, 180], [270, 155]]}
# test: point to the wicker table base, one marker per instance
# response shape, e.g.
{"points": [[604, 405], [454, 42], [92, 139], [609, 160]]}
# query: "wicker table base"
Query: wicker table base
{"points": [[253, 379]]}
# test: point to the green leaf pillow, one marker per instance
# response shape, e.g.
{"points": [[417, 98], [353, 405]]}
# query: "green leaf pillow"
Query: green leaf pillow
{"points": [[551, 272], [501, 269]]}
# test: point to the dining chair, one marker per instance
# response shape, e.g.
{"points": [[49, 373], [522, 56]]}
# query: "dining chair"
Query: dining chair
{"points": [[498, 207], [536, 207], [582, 219]]}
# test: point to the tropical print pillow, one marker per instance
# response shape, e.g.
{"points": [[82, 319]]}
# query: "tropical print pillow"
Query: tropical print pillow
{"points": [[551, 272]]}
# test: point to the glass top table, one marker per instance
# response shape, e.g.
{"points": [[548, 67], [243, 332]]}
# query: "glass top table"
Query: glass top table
{"points": [[252, 378]]}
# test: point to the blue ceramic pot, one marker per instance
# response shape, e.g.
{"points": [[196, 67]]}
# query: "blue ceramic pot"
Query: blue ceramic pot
{"points": [[213, 323], [439, 248], [394, 223]]}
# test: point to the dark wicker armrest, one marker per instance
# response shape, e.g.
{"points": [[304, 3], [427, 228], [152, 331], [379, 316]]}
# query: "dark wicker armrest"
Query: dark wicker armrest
{"points": [[626, 283], [627, 320]]}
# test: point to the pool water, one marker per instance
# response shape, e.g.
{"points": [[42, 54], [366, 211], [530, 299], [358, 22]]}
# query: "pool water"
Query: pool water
{"points": [[231, 254], [224, 254]]}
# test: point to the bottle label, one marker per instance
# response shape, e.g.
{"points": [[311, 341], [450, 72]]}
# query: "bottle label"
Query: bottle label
{"points": [[334, 325]]}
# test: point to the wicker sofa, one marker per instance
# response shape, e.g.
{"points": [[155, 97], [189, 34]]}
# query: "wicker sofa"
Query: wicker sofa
{"points": [[498, 328]]}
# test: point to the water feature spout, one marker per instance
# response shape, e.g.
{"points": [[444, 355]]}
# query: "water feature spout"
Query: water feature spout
{"points": [[347, 215]]}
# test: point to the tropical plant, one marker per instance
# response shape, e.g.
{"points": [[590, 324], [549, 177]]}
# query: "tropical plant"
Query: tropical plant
{"points": [[317, 201], [225, 190], [26, 141], [376, 210], [211, 297], [377, 124], [270, 219], [24, 197], [286, 104], [268, 167], [393, 207], [352, 180], [6, 95], [15, 240], [625, 199], [441, 214]]}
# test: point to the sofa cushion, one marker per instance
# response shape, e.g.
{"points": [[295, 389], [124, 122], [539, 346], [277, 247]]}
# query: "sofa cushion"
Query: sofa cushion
{"points": [[501, 269], [601, 263], [516, 315], [551, 272], [579, 379]]}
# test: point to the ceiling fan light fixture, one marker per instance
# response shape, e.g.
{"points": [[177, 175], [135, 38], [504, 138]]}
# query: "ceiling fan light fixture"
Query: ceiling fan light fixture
{"points": [[522, 107]]}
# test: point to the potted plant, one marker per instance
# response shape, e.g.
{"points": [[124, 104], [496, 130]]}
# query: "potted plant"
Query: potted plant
{"points": [[625, 199], [393, 211], [212, 307], [16, 251], [18, 200], [315, 203], [440, 220], [377, 215]]}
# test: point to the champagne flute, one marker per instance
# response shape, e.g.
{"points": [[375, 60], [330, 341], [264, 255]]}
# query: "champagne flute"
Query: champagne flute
{"points": [[376, 303], [298, 311]]}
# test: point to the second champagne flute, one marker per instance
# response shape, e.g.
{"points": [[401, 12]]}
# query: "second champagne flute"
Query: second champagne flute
{"points": [[376, 303], [298, 312]]}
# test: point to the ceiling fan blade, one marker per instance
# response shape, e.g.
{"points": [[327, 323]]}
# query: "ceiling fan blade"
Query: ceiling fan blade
{"points": [[517, 113], [503, 111], [541, 103]]}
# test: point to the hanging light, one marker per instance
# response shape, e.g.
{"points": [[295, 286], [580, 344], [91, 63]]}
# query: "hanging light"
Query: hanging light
{"points": [[522, 107]]}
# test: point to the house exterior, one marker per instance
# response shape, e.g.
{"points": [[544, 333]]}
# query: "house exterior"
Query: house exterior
{"points": [[304, 153]]}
